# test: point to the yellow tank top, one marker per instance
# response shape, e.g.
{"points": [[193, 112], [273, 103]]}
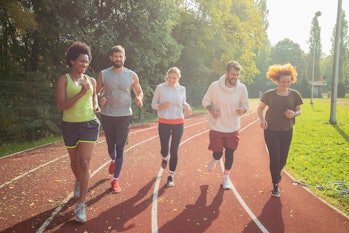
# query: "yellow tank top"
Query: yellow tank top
{"points": [[82, 110]]}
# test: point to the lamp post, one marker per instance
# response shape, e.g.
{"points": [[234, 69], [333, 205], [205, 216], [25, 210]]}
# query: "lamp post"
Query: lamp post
{"points": [[317, 14], [337, 51], [312, 75]]}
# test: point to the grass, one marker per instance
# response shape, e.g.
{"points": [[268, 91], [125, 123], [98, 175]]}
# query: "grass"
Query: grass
{"points": [[319, 154], [10, 148]]}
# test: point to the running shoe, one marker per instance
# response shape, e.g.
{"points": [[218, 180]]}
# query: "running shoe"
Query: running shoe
{"points": [[226, 183], [77, 189], [111, 167], [115, 188], [80, 212], [276, 191], [170, 182], [212, 165]]}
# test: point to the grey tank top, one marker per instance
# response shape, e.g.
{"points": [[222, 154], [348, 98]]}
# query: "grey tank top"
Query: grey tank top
{"points": [[117, 88]]}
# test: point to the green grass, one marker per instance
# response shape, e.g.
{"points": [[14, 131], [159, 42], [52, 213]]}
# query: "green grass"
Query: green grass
{"points": [[10, 148], [319, 154]]}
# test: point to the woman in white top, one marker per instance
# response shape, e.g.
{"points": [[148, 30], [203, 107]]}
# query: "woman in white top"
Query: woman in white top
{"points": [[170, 100]]}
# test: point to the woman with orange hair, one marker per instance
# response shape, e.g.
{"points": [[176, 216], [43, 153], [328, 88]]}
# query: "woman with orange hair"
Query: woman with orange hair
{"points": [[284, 104]]}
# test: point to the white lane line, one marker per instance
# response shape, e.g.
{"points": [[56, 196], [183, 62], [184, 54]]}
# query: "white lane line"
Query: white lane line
{"points": [[154, 218], [65, 201], [100, 141], [240, 199], [30, 171], [154, 208], [247, 209]]}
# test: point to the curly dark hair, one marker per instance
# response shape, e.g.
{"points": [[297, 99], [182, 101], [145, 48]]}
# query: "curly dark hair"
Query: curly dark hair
{"points": [[75, 50]]}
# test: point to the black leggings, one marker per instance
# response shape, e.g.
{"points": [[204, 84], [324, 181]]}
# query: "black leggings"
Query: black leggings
{"points": [[116, 132], [278, 143], [165, 132], [229, 157]]}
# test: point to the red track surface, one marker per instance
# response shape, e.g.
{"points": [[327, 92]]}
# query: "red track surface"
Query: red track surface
{"points": [[36, 190]]}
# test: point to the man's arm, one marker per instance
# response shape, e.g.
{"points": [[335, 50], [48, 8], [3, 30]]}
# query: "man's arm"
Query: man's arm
{"points": [[137, 89]]}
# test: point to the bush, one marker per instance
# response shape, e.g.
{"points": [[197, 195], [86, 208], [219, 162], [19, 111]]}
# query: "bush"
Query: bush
{"points": [[341, 90]]}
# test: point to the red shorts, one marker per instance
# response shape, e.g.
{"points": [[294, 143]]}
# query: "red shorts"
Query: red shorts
{"points": [[218, 140]]}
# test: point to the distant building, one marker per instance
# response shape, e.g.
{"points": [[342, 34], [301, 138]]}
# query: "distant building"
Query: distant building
{"points": [[317, 91]]}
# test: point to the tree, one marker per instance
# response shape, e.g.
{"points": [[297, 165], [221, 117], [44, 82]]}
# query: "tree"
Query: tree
{"points": [[213, 32], [313, 59], [16, 21], [198, 36], [287, 51], [37, 56]]}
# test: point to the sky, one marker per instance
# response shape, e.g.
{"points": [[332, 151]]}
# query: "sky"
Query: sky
{"points": [[292, 19]]}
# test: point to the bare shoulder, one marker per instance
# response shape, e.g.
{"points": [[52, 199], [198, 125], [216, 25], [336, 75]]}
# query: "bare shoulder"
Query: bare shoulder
{"points": [[62, 79]]}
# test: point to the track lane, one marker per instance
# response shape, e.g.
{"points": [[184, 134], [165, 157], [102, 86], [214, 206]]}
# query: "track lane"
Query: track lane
{"points": [[197, 202], [55, 177]]}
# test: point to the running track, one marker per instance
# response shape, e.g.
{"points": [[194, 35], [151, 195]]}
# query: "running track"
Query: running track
{"points": [[36, 190]]}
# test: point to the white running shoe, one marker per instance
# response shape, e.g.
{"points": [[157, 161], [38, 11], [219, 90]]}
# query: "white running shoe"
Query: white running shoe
{"points": [[80, 214], [226, 183], [77, 189], [212, 165]]}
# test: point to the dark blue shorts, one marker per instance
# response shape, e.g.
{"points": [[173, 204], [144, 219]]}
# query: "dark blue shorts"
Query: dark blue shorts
{"points": [[75, 132]]}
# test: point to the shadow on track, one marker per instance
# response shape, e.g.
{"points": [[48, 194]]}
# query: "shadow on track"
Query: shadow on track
{"points": [[66, 214], [197, 217], [271, 217], [118, 217]]}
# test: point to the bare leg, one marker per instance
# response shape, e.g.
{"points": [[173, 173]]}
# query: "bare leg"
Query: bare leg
{"points": [[73, 154], [85, 150]]}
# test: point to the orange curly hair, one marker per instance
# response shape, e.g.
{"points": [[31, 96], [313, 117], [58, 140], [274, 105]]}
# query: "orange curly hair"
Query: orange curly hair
{"points": [[276, 71]]}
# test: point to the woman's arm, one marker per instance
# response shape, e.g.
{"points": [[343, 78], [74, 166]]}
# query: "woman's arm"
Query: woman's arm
{"points": [[260, 111]]}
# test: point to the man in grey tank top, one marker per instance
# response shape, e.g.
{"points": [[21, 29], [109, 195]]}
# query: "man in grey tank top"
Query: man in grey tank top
{"points": [[114, 86]]}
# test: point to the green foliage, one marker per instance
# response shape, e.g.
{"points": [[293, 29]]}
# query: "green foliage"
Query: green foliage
{"points": [[197, 36], [341, 90], [319, 152], [287, 51], [31, 113], [304, 87]]}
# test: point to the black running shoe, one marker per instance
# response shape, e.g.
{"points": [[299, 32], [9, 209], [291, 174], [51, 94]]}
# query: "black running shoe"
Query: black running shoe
{"points": [[276, 191], [170, 182]]}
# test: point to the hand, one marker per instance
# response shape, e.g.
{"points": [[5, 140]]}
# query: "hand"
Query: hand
{"points": [[97, 109], [263, 124], [289, 113], [103, 100], [216, 113], [139, 101], [85, 86], [164, 105], [240, 111], [187, 109]]}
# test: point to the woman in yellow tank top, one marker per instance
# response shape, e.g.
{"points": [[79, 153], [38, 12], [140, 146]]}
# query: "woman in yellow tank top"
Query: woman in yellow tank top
{"points": [[76, 98]]}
